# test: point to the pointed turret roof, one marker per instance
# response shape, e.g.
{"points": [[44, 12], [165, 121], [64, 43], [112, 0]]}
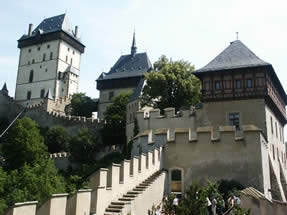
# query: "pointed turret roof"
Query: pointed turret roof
{"points": [[236, 55], [134, 47], [4, 88], [49, 94]]}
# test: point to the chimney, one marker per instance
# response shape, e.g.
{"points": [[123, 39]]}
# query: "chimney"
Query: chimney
{"points": [[76, 31], [30, 30]]}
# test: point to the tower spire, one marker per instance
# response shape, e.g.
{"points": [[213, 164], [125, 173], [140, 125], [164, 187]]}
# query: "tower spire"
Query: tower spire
{"points": [[4, 89], [134, 48]]}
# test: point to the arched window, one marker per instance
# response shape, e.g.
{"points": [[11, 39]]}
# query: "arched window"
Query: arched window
{"points": [[31, 76]]}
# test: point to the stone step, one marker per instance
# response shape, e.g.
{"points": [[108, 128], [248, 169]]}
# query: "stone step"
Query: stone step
{"points": [[126, 199], [129, 195], [134, 192], [118, 203], [113, 210]]}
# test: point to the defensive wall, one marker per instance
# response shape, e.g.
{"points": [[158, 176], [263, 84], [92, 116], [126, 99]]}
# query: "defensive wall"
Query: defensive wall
{"points": [[203, 150], [107, 187]]}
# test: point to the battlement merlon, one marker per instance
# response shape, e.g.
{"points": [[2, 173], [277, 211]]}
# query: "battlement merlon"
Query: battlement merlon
{"points": [[214, 135]]}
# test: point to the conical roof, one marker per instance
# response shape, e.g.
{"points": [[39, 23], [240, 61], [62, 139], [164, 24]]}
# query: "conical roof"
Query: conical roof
{"points": [[4, 88], [236, 55]]}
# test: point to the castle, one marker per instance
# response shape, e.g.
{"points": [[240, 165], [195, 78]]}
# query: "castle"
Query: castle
{"points": [[235, 133]]}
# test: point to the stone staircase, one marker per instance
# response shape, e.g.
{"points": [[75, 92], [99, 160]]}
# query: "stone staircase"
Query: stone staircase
{"points": [[117, 207]]}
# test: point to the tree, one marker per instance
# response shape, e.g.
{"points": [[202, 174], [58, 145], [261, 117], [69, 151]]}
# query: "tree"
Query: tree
{"points": [[83, 147], [32, 182], [114, 131], [23, 144], [171, 84], [57, 139], [81, 105]]}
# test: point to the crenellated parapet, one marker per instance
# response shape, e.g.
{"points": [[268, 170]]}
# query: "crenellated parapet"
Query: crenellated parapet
{"points": [[107, 185], [150, 139]]}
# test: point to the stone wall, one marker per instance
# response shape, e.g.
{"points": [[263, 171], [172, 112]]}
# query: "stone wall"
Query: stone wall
{"points": [[106, 185], [205, 154]]}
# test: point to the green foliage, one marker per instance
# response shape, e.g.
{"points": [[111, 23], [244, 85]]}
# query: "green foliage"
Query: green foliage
{"points": [[171, 84], [36, 182], [167, 204], [23, 144], [195, 200], [83, 147], [57, 139], [114, 131], [81, 105]]}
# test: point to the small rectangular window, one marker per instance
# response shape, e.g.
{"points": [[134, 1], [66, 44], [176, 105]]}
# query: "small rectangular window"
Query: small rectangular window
{"points": [[273, 150], [51, 55], [71, 61], [217, 85], [276, 129], [271, 121], [29, 95], [249, 83], [234, 119], [67, 59], [33, 61], [111, 95], [29, 50], [42, 93], [39, 48], [44, 57], [48, 46], [238, 84]]}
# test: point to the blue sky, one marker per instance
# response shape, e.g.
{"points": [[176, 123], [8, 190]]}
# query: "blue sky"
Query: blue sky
{"points": [[193, 30]]}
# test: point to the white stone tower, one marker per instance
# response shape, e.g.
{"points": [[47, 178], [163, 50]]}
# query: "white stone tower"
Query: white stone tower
{"points": [[49, 61]]}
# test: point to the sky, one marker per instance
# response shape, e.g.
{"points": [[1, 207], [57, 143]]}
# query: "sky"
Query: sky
{"points": [[192, 30]]}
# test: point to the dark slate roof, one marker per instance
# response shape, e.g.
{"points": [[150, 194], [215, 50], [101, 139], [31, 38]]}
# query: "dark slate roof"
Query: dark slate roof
{"points": [[236, 55], [138, 90], [128, 66], [53, 24]]}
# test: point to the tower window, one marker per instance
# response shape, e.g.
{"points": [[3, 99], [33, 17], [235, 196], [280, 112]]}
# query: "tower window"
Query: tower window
{"points": [[271, 121], [51, 55], [48, 46], [46, 70], [29, 95], [39, 48], [29, 50], [217, 85], [33, 61], [44, 57], [249, 83], [73, 52], [68, 49], [67, 59], [273, 150], [234, 119], [276, 129], [31, 76], [28, 62], [42, 93], [111, 95], [71, 61], [238, 84]]}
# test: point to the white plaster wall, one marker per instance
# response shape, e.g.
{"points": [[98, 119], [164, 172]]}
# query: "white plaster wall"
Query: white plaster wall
{"points": [[44, 71], [274, 140]]}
